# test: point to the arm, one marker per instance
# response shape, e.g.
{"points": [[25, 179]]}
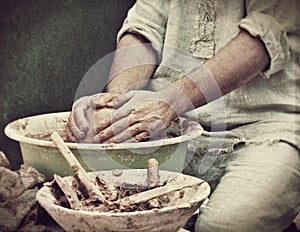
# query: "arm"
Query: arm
{"points": [[133, 65], [134, 62], [237, 63], [143, 28]]}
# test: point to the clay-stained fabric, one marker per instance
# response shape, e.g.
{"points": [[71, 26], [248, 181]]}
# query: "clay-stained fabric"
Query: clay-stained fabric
{"points": [[203, 45], [18, 207], [266, 108]]}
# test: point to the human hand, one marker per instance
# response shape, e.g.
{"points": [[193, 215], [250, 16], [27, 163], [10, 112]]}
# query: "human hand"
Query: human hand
{"points": [[137, 116], [85, 116]]}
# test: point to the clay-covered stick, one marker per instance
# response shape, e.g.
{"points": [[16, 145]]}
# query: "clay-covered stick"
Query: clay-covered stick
{"points": [[70, 193], [152, 173], [176, 184], [92, 190]]}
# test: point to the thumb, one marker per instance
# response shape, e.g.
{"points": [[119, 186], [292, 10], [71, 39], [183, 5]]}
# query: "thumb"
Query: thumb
{"points": [[121, 100]]}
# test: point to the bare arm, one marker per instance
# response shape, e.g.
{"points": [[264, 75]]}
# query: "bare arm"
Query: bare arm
{"points": [[133, 65], [235, 64]]}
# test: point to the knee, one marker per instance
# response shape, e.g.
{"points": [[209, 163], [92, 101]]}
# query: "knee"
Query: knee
{"points": [[226, 220], [207, 222]]}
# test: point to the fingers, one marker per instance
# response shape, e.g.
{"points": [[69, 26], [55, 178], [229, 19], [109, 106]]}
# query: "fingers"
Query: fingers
{"points": [[121, 99], [114, 129], [110, 100], [117, 102], [79, 114], [103, 99], [126, 131], [143, 136], [103, 118], [79, 124], [72, 127], [112, 116], [69, 135], [77, 121]]}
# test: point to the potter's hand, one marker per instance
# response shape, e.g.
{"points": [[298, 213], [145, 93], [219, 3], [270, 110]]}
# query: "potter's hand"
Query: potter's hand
{"points": [[84, 114], [140, 116]]}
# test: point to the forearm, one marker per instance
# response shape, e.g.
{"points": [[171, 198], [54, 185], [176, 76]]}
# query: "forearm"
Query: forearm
{"points": [[133, 65], [237, 63]]}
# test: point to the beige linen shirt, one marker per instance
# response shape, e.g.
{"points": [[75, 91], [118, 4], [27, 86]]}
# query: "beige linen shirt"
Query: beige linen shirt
{"points": [[185, 33]]}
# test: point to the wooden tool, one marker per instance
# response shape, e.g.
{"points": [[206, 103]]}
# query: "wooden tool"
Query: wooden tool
{"points": [[90, 186]]}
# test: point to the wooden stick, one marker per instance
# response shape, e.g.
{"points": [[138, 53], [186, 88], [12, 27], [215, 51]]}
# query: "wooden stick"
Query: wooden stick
{"points": [[81, 174], [70, 194], [175, 185]]}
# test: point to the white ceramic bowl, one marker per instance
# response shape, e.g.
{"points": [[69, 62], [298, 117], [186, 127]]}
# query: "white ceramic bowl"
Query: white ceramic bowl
{"points": [[169, 219]]}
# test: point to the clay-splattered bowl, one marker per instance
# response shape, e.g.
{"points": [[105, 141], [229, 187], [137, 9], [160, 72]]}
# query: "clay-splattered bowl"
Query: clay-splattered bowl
{"points": [[33, 134], [169, 219]]}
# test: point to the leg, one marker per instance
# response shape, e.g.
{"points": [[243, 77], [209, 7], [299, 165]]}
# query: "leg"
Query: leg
{"points": [[260, 191]]}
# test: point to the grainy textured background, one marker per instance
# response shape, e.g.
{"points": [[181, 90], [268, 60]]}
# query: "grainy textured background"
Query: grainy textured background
{"points": [[46, 47]]}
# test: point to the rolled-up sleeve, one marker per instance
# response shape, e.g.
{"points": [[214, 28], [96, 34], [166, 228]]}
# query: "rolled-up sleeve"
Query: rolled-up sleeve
{"points": [[276, 23], [147, 18]]}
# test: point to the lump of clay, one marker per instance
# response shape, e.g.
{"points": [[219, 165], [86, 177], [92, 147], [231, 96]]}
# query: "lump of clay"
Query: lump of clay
{"points": [[11, 185], [18, 206], [30, 176]]}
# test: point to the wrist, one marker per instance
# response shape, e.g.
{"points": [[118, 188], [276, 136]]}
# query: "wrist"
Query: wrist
{"points": [[194, 90], [176, 98], [114, 89]]}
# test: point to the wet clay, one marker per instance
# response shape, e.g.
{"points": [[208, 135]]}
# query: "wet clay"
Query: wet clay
{"points": [[123, 190]]}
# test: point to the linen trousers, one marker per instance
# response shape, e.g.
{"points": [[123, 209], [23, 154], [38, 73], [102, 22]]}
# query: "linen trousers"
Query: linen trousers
{"points": [[255, 186]]}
